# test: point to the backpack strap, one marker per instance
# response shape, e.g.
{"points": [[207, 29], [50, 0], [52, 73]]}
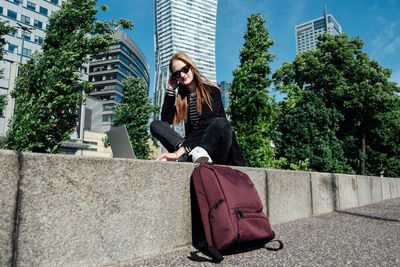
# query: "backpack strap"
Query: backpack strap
{"points": [[273, 248], [274, 240], [211, 252]]}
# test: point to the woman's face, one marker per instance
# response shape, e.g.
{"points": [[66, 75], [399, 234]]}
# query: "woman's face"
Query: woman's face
{"points": [[179, 68]]}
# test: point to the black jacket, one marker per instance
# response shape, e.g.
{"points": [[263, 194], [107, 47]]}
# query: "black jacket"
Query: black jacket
{"points": [[193, 136]]}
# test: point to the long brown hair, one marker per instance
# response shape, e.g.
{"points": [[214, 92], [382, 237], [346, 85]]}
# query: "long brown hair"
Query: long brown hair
{"points": [[202, 89]]}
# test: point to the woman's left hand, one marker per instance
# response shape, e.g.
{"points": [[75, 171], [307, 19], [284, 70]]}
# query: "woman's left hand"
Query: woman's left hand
{"points": [[172, 156], [168, 156]]}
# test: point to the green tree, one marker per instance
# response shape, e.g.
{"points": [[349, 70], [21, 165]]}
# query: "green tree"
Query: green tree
{"points": [[49, 91], [4, 29], [307, 131], [251, 109], [352, 85], [134, 113]]}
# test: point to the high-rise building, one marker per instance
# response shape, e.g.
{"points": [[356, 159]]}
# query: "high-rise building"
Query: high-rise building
{"points": [[30, 20], [107, 72], [183, 26], [225, 86], [307, 33]]}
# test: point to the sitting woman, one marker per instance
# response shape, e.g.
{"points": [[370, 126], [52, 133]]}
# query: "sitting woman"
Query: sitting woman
{"points": [[198, 104]]}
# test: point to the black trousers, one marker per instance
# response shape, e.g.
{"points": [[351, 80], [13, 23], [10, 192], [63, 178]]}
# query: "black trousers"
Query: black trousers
{"points": [[216, 139]]}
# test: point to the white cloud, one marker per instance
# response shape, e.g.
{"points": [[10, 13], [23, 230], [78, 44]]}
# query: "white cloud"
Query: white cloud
{"points": [[392, 46]]}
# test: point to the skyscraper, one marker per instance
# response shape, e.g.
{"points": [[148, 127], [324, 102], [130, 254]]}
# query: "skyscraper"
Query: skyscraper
{"points": [[107, 72], [225, 86], [183, 26], [30, 20], [307, 33]]}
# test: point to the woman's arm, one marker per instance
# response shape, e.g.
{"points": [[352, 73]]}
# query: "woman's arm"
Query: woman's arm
{"points": [[168, 109]]}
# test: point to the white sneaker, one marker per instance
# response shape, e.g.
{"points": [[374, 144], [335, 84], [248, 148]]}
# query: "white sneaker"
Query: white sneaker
{"points": [[200, 155]]}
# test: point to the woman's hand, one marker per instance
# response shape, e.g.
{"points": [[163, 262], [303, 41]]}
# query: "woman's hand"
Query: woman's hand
{"points": [[168, 156], [172, 156], [172, 83]]}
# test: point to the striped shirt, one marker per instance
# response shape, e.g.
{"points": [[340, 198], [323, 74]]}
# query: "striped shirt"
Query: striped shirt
{"points": [[193, 115]]}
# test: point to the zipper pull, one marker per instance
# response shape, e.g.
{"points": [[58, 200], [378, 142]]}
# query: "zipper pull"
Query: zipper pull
{"points": [[239, 213], [218, 203]]}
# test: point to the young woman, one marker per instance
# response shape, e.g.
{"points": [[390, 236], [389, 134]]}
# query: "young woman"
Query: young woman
{"points": [[198, 104]]}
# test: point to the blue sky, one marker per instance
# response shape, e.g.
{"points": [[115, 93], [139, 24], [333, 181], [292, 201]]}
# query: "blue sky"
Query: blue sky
{"points": [[376, 22]]}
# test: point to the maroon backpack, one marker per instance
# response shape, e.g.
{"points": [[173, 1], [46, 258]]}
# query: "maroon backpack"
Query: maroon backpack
{"points": [[231, 212]]}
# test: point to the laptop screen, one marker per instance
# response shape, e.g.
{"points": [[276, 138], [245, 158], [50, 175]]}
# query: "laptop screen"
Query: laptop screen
{"points": [[121, 146]]}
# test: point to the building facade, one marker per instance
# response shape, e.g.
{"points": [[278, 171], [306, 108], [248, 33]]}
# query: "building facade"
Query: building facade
{"points": [[183, 26], [307, 33], [107, 73], [225, 86], [30, 20]]}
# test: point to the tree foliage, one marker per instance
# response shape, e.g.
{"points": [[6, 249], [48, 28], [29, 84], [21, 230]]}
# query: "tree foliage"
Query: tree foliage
{"points": [[134, 113], [251, 109], [348, 101], [49, 91]]}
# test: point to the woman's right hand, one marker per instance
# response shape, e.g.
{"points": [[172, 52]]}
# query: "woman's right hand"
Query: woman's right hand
{"points": [[172, 83]]}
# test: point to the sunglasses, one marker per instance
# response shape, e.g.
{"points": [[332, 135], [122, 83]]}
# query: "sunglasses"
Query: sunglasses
{"points": [[177, 74]]}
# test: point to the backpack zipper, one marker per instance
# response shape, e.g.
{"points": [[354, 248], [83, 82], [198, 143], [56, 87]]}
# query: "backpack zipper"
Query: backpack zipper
{"points": [[239, 214]]}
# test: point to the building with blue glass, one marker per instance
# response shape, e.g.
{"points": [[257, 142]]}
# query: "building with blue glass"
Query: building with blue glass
{"points": [[225, 87], [107, 73], [307, 33]]}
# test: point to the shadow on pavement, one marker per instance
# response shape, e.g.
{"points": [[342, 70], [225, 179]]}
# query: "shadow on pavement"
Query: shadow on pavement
{"points": [[368, 216]]}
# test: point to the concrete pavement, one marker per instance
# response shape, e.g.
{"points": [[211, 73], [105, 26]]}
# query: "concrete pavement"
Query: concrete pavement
{"points": [[365, 236]]}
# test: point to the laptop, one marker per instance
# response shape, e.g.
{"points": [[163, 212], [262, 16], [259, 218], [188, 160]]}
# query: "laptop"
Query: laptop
{"points": [[121, 146]]}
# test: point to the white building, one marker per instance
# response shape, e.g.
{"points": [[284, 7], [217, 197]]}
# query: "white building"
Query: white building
{"points": [[183, 26], [307, 33], [33, 16]]}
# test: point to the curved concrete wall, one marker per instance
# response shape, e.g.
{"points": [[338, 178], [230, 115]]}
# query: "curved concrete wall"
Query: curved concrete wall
{"points": [[75, 211]]}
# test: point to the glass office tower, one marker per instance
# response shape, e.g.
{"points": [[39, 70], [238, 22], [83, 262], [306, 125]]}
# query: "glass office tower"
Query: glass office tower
{"points": [[307, 33], [108, 71], [30, 20], [183, 26]]}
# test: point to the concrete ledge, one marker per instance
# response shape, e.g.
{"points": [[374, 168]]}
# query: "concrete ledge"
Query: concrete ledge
{"points": [[376, 189], [385, 189], [93, 212], [289, 195], [364, 190], [347, 191], [9, 167], [323, 192], [393, 188]]}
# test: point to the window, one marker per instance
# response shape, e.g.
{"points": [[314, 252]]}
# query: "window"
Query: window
{"points": [[1, 10], [26, 52], [27, 36], [12, 47], [38, 24], [38, 40], [18, 2], [43, 10], [13, 33], [25, 19], [108, 117], [108, 107], [11, 14], [31, 6], [54, 2]]}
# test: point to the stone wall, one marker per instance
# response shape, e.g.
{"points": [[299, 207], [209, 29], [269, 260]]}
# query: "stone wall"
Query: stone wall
{"points": [[73, 211]]}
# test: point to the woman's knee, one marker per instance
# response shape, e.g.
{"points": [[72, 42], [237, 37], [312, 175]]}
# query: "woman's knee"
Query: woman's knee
{"points": [[156, 126], [221, 124]]}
